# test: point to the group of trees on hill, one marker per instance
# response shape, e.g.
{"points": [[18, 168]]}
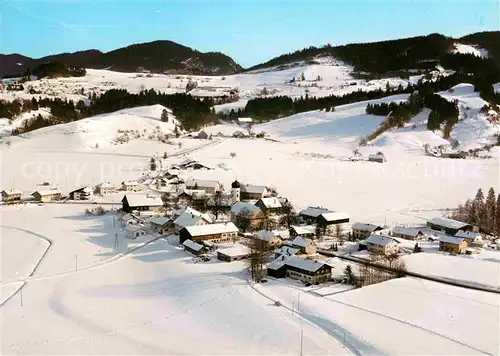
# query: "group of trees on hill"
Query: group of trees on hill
{"points": [[190, 111], [481, 211]]}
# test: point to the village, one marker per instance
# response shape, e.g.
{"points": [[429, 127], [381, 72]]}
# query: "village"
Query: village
{"points": [[254, 223]]}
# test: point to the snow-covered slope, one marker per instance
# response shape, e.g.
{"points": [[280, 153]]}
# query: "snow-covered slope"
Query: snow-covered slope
{"points": [[469, 49], [104, 130]]}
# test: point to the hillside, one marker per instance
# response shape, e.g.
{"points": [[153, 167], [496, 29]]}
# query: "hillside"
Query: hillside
{"points": [[422, 52], [157, 56]]}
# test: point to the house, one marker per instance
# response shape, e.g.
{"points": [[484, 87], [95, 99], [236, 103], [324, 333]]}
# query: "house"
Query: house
{"points": [[47, 195], [312, 212], [305, 245], [104, 188], [209, 186], [134, 231], [382, 245], [472, 238], [452, 244], [130, 219], [240, 210], [131, 186], [141, 202], [325, 220], [82, 193], [379, 158], [254, 192], [269, 238], [307, 271], [271, 204], [449, 226], [244, 120], [286, 251], [235, 253], [191, 219], [222, 232], [362, 230], [160, 223], [302, 231], [11, 195], [407, 233], [202, 135], [193, 247]]}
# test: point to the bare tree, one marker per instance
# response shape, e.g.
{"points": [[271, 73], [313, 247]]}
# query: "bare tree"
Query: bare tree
{"points": [[217, 201], [257, 258], [339, 234], [8, 143], [290, 216]]}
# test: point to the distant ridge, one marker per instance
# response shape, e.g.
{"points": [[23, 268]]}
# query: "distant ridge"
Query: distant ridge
{"points": [[157, 57]]}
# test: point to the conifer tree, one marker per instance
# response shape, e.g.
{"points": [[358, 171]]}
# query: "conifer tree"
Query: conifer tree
{"points": [[479, 208], [490, 207], [497, 217]]}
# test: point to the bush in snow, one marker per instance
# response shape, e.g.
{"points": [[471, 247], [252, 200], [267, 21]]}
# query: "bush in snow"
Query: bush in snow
{"points": [[232, 154]]}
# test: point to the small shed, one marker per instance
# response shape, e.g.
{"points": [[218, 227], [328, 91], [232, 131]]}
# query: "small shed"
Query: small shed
{"points": [[202, 135], [194, 248], [236, 253], [379, 157]]}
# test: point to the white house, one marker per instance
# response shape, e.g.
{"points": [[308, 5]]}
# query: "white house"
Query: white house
{"points": [[131, 186], [134, 231], [104, 188], [10, 195], [363, 230], [268, 237], [159, 223], [305, 245], [269, 204], [209, 186], [245, 120], [382, 245]]}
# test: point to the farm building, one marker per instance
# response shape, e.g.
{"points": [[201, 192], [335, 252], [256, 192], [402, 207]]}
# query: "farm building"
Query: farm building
{"points": [[131, 186], [325, 220], [202, 135], [305, 245], [209, 186], [408, 233], [235, 253], [134, 231], [141, 202], [82, 193], [452, 244], [379, 158], [254, 192], [268, 237], [11, 195], [472, 238], [104, 188], [302, 231], [242, 210], [307, 271], [311, 213], [194, 248], [47, 195], [382, 245], [160, 224], [362, 230], [271, 204], [449, 226], [223, 232]]}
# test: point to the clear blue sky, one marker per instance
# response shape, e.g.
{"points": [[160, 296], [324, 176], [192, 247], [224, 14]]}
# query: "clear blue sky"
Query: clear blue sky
{"points": [[249, 31]]}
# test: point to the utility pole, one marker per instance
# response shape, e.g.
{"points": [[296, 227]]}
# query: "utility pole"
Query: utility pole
{"points": [[21, 291], [301, 341], [116, 241], [114, 224]]}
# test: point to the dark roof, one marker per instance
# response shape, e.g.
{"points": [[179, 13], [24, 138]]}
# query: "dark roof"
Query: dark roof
{"points": [[235, 184]]}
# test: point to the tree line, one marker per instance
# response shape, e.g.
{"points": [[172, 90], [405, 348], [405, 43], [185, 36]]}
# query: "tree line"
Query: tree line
{"points": [[190, 111], [480, 211]]}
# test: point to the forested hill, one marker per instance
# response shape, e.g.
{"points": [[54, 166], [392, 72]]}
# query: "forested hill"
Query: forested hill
{"points": [[381, 57], [157, 57]]}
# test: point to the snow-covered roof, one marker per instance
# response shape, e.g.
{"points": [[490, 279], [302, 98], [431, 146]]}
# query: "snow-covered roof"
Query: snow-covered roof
{"points": [[187, 219], [133, 228], [245, 119], [314, 211], [468, 234], [304, 229], [188, 210], [159, 220], [377, 156], [11, 191], [253, 189], [366, 227], [127, 217], [407, 231], [84, 189], [301, 242], [335, 216], [130, 183], [451, 240], [271, 203], [448, 223], [284, 234], [303, 264], [238, 207], [192, 245], [380, 240], [143, 200], [210, 229], [47, 192], [105, 185], [235, 251], [202, 183], [265, 235]]}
